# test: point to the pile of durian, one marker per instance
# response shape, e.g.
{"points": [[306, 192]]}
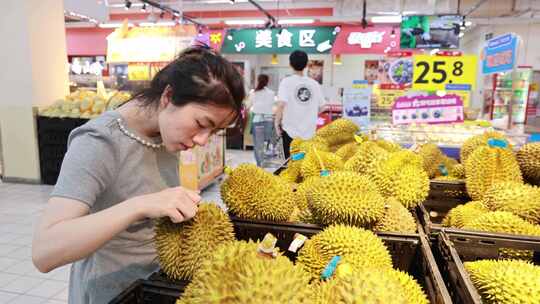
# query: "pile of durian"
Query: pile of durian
{"points": [[85, 104], [223, 270], [337, 177]]}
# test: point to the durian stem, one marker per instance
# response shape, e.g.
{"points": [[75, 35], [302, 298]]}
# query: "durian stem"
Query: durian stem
{"points": [[319, 158]]}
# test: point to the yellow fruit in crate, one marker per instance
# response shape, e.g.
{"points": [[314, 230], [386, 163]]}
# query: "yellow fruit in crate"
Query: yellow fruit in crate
{"points": [[75, 113], [338, 132], [86, 115], [99, 107], [251, 192], [432, 158], [86, 105], [388, 146], [463, 214], [345, 198], [528, 158], [183, 247], [365, 287], [348, 150], [237, 273], [315, 161], [396, 218], [476, 141], [366, 158], [520, 199], [343, 240], [505, 281], [487, 166]]}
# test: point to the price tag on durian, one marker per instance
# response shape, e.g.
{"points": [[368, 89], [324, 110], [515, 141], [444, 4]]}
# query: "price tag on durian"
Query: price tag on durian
{"points": [[298, 156], [497, 143], [443, 170], [535, 137], [330, 268], [298, 242], [325, 173], [267, 246]]}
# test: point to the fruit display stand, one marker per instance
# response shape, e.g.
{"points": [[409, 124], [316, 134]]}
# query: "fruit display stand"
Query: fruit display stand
{"points": [[200, 166], [52, 135], [457, 247], [149, 292]]}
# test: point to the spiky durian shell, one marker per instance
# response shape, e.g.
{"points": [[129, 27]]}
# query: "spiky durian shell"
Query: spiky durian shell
{"points": [[432, 157], [292, 173], [237, 274], [476, 141], [396, 218], [343, 240], [366, 158], [529, 161], [463, 214], [363, 287], [411, 186], [388, 146], [311, 165], [487, 166], [345, 198], [181, 248], [457, 171], [348, 150], [505, 281], [338, 132], [253, 193], [520, 199]]}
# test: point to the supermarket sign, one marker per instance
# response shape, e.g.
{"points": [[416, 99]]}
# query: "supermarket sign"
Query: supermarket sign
{"points": [[427, 109], [314, 40], [499, 54]]}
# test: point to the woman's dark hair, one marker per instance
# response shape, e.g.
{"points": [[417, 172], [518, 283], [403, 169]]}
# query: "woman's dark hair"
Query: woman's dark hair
{"points": [[197, 75], [262, 81]]}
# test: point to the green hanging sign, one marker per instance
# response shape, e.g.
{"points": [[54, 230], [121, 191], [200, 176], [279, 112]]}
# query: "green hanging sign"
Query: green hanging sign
{"points": [[312, 40]]}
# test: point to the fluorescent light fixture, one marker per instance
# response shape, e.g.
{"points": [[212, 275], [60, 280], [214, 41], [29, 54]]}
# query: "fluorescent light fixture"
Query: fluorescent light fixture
{"points": [[296, 21], [164, 23], [113, 25], [386, 19], [468, 23], [245, 22], [461, 34]]}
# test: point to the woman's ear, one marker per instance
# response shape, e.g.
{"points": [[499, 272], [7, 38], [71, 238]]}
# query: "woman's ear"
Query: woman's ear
{"points": [[165, 98]]}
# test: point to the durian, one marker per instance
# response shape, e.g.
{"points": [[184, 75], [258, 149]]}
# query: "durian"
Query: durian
{"points": [[487, 166], [237, 274], [292, 173], [520, 199], [388, 146], [338, 132], [343, 240], [345, 198], [463, 214], [396, 218], [315, 161], [476, 141], [505, 281], [348, 150], [432, 158], [529, 161], [252, 193], [366, 158], [364, 287], [457, 171], [181, 248]]}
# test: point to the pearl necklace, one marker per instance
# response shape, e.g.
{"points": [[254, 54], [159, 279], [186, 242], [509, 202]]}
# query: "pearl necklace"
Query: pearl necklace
{"points": [[137, 138]]}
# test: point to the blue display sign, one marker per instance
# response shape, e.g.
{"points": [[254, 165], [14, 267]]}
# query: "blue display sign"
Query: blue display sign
{"points": [[500, 54]]}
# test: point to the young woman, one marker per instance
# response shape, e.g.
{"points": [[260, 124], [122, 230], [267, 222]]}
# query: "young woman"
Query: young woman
{"points": [[262, 100], [121, 171]]}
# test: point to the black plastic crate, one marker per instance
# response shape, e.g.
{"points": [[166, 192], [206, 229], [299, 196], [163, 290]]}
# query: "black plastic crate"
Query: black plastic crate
{"points": [[456, 247], [149, 292], [444, 190]]}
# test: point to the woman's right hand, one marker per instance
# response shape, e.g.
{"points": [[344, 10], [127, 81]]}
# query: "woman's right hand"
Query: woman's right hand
{"points": [[178, 203]]}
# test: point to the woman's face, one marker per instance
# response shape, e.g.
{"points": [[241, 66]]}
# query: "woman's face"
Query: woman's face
{"points": [[184, 127]]}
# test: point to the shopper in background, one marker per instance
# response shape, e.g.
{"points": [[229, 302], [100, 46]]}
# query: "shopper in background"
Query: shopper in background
{"points": [[262, 101], [118, 172], [299, 99]]}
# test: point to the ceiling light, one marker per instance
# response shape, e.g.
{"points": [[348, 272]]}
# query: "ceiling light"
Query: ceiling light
{"points": [[468, 23], [245, 22], [386, 19], [113, 25], [296, 21]]}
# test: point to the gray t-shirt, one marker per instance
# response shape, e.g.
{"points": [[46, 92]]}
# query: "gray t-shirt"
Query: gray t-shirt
{"points": [[101, 168]]}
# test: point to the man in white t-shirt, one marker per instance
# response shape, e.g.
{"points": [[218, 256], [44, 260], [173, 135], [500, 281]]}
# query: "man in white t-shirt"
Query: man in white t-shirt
{"points": [[299, 99]]}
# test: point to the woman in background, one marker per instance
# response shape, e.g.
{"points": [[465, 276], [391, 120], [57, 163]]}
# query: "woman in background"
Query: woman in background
{"points": [[262, 100]]}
